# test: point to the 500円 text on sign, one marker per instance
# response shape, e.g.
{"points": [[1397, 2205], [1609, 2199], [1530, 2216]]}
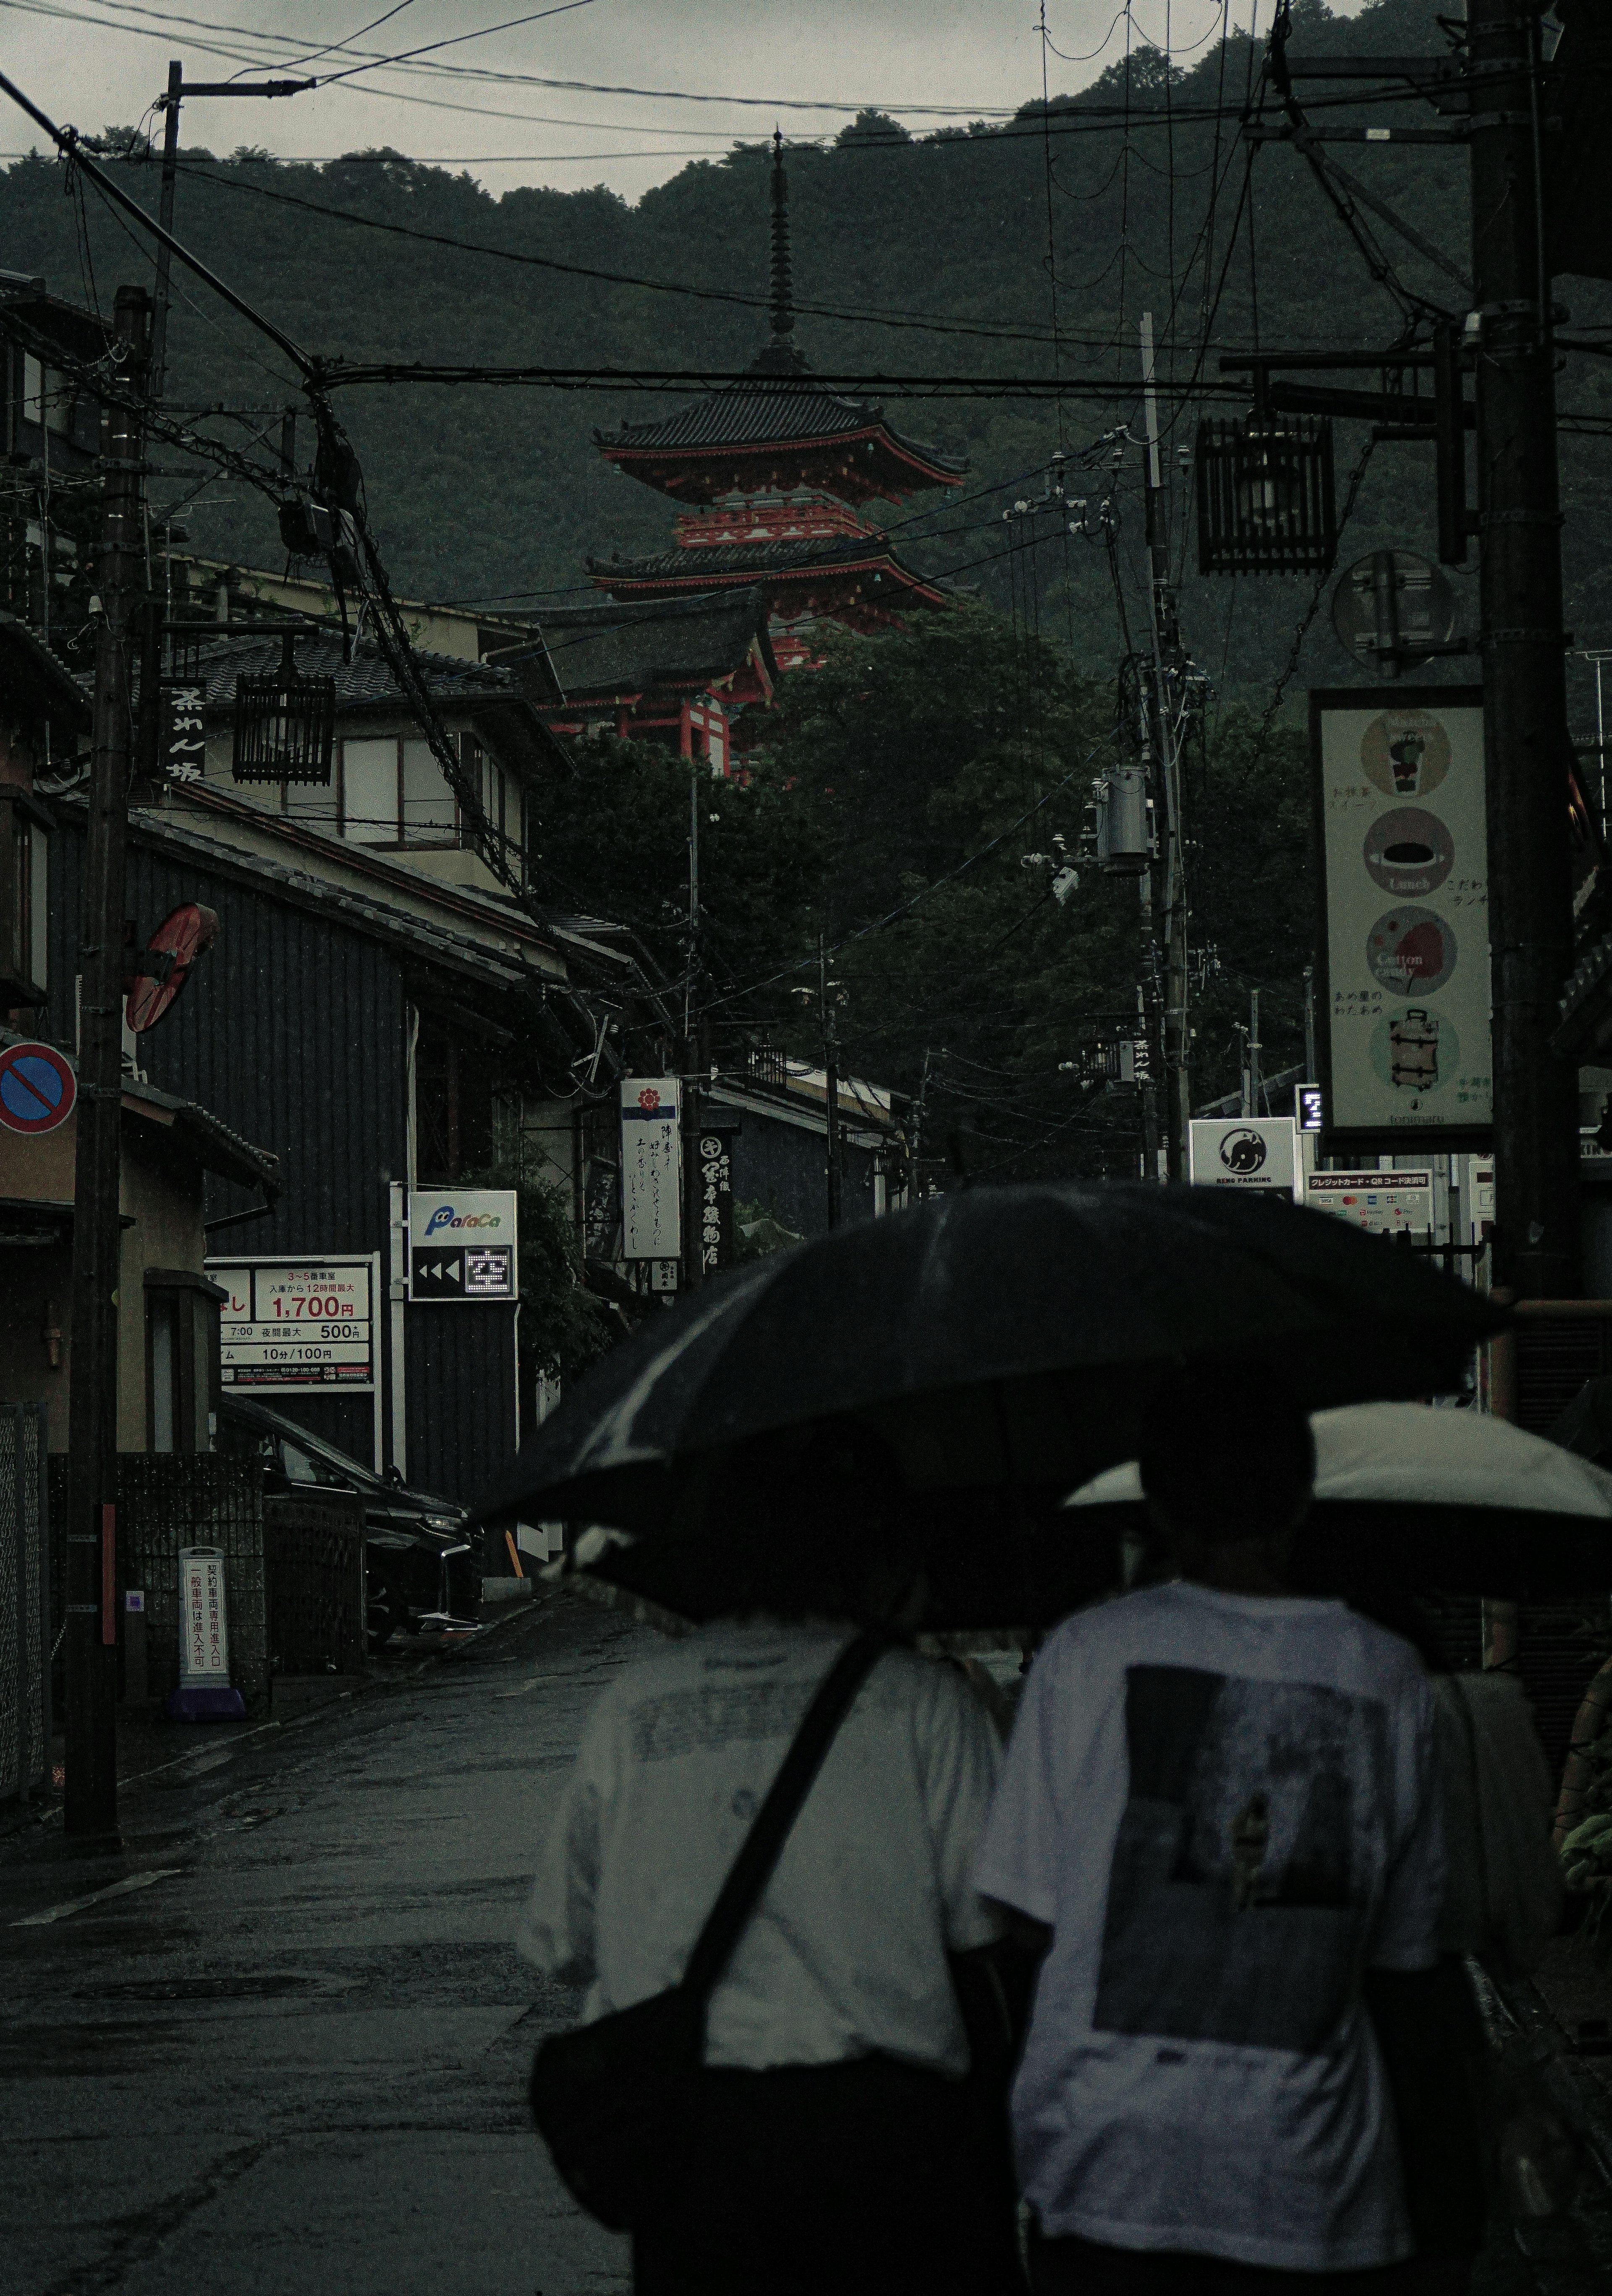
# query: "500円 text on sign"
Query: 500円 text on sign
{"points": [[299, 1323]]}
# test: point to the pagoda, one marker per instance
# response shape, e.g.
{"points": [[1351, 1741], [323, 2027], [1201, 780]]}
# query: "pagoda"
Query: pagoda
{"points": [[775, 473]]}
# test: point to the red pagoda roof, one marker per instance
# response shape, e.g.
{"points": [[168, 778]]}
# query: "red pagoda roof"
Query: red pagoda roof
{"points": [[781, 431], [858, 579], [776, 436]]}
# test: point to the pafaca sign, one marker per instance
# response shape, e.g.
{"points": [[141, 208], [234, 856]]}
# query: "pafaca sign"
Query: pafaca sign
{"points": [[462, 1245]]}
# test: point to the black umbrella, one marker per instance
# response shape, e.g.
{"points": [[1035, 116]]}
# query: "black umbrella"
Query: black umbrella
{"points": [[1000, 1339]]}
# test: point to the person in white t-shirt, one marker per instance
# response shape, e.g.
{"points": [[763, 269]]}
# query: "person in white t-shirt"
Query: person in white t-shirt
{"points": [[1217, 1814], [831, 2142]]}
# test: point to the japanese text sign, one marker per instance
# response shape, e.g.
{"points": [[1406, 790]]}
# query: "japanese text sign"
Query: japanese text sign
{"points": [[204, 1623], [715, 1200], [652, 1170], [297, 1323]]}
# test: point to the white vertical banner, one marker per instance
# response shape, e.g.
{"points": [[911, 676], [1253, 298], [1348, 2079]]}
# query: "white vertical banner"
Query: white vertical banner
{"points": [[1404, 1014], [652, 1170], [203, 1620]]}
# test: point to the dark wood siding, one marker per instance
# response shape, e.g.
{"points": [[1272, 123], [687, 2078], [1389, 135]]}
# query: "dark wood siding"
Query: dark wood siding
{"points": [[461, 1397], [294, 1029]]}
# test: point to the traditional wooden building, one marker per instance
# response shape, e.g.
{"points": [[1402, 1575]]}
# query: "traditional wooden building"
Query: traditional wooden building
{"points": [[773, 477], [680, 671]]}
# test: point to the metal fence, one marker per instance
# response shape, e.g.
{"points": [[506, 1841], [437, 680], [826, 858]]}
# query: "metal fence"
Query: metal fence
{"points": [[170, 1499], [25, 1606]]}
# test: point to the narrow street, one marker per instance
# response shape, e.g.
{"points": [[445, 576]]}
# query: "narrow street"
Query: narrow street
{"points": [[297, 2059], [284, 2043]]}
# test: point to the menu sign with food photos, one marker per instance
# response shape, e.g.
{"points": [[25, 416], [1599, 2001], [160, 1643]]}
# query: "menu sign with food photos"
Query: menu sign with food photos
{"points": [[1403, 1012]]}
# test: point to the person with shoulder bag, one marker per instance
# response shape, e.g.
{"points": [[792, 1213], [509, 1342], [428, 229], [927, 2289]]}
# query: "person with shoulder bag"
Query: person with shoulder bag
{"points": [[761, 1872]]}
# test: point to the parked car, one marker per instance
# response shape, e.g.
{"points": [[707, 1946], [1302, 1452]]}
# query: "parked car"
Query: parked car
{"points": [[420, 1566]]}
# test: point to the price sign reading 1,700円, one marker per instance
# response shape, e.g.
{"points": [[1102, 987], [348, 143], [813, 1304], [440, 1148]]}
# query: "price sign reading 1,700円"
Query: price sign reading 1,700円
{"points": [[297, 1323]]}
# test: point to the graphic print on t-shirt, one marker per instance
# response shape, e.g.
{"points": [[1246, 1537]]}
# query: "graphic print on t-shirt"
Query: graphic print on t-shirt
{"points": [[1244, 1865]]}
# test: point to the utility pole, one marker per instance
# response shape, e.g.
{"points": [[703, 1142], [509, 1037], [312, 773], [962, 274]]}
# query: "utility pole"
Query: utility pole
{"points": [[1165, 629], [1254, 1049], [693, 1249], [826, 993], [1310, 1077], [90, 1783], [168, 104], [1536, 1152], [1147, 1090]]}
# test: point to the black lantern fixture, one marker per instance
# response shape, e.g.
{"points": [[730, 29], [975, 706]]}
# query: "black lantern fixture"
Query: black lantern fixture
{"points": [[1265, 496], [286, 723]]}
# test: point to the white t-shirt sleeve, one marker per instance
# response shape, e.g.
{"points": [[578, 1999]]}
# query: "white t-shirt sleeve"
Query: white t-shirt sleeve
{"points": [[556, 1928], [961, 1756], [1405, 1933], [1018, 1861]]}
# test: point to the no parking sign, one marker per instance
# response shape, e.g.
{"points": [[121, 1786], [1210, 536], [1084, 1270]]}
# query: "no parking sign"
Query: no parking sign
{"points": [[38, 1088]]}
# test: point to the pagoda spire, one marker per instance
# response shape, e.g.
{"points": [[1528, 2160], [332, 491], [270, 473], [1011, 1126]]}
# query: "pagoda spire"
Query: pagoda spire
{"points": [[783, 284], [778, 355]]}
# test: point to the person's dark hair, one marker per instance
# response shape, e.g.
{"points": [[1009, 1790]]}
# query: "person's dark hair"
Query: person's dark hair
{"points": [[1226, 1453], [814, 1524]]}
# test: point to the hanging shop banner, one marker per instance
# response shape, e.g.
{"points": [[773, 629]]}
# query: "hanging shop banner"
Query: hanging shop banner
{"points": [[1384, 1203], [462, 1245], [715, 1198], [652, 1170], [183, 733], [204, 1619], [298, 1323], [1402, 830], [1244, 1151]]}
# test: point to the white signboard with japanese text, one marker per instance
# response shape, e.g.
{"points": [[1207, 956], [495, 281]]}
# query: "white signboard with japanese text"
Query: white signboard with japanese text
{"points": [[1384, 1203], [298, 1323], [652, 1170], [204, 1619], [1244, 1151], [1404, 1016], [462, 1245]]}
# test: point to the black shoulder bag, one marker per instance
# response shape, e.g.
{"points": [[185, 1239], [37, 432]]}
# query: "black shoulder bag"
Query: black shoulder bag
{"points": [[609, 2097]]}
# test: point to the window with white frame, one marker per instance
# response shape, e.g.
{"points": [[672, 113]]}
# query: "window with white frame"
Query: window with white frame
{"points": [[389, 790]]}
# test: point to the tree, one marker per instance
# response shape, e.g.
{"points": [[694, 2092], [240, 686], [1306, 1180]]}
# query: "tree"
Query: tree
{"points": [[613, 841]]}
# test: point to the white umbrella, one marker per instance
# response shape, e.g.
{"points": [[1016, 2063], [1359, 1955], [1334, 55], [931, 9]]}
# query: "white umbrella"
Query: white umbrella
{"points": [[1406, 1454], [1452, 1499]]}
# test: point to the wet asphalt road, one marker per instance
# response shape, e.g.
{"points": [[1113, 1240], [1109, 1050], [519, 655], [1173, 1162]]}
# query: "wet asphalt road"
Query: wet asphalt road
{"points": [[297, 2062], [294, 2063]]}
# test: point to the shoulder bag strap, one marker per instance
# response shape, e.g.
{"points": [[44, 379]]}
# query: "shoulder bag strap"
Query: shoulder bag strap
{"points": [[752, 1869]]}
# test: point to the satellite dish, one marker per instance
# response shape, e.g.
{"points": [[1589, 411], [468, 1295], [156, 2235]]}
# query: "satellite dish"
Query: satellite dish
{"points": [[163, 966], [1393, 611]]}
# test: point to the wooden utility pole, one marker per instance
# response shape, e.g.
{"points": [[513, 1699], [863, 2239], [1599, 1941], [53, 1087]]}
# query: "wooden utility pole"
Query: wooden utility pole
{"points": [[694, 1244], [1526, 737], [90, 1783], [1164, 630], [827, 993]]}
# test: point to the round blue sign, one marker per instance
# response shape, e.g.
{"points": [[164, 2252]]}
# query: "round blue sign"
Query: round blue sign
{"points": [[38, 1088]]}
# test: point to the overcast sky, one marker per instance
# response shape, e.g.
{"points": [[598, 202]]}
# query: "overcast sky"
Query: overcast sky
{"points": [[98, 63]]}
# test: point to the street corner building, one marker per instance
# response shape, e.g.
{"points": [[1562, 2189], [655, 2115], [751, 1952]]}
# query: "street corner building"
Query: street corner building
{"points": [[385, 1016]]}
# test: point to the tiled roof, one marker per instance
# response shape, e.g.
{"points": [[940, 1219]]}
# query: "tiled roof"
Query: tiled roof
{"points": [[765, 414], [639, 645], [364, 679], [763, 561]]}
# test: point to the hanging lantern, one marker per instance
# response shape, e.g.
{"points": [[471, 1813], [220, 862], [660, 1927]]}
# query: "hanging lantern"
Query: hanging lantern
{"points": [[285, 724], [1265, 501]]}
